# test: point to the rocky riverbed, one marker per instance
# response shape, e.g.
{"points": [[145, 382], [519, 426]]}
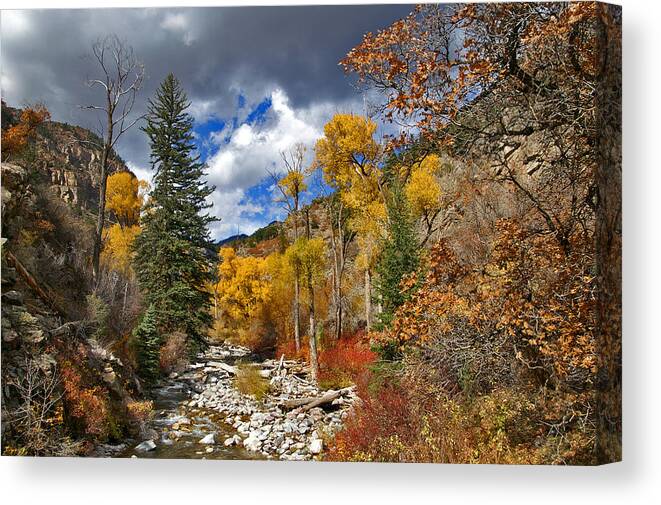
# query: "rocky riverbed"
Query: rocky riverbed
{"points": [[201, 414]]}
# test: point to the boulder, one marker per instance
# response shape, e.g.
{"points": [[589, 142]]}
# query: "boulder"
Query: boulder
{"points": [[252, 443], [12, 297]]}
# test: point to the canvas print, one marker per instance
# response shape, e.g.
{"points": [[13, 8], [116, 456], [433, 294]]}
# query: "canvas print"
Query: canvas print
{"points": [[367, 233]]}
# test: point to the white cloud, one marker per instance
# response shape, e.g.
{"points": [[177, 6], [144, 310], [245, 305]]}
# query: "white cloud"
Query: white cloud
{"points": [[254, 149], [237, 214], [180, 24], [202, 110], [14, 23], [142, 174], [251, 152]]}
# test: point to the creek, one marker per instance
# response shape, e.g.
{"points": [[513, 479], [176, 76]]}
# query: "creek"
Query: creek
{"points": [[200, 414]]}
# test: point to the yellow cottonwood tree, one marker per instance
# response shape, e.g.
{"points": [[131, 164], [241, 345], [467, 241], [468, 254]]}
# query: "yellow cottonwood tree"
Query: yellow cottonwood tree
{"points": [[242, 288], [117, 248], [307, 256], [124, 197], [349, 157]]}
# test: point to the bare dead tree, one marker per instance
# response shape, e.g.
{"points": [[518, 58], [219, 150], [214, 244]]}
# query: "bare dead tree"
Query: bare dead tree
{"points": [[290, 188], [121, 77]]}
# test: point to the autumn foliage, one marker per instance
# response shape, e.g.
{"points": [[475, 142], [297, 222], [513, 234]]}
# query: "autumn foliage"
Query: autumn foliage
{"points": [[344, 362], [15, 138], [506, 355]]}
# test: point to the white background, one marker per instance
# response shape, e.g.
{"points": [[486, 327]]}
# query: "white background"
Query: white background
{"points": [[636, 480]]}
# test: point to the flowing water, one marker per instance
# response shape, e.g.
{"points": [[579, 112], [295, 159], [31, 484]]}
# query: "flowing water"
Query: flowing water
{"points": [[178, 439]]}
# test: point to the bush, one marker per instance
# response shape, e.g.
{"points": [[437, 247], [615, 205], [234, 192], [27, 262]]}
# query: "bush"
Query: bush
{"points": [[88, 406], [36, 421], [139, 414], [97, 316], [173, 355], [249, 382], [340, 365]]}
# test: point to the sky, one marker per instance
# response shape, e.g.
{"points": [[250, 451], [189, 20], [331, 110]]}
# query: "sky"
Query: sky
{"points": [[259, 79]]}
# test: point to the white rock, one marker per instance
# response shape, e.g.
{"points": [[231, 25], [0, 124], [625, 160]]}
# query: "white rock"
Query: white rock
{"points": [[209, 439], [316, 446], [147, 445], [252, 443]]}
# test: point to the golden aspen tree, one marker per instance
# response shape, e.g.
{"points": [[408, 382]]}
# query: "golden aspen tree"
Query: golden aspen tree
{"points": [[349, 158]]}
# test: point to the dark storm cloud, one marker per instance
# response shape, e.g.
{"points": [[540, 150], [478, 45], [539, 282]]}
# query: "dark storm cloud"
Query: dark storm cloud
{"points": [[216, 52]]}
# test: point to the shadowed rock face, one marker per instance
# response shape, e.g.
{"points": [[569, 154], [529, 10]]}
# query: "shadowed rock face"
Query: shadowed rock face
{"points": [[72, 164]]}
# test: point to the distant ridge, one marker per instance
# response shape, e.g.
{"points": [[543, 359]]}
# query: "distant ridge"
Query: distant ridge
{"points": [[233, 238], [265, 233]]}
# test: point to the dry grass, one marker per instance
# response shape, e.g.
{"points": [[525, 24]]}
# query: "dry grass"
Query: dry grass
{"points": [[249, 382]]}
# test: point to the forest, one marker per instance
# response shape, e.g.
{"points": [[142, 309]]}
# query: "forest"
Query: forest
{"points": [[453, 288]]}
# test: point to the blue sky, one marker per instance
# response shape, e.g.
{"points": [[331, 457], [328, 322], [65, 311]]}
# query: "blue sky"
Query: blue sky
{"points": [[257, 131], [259, 79], [211, 137]]}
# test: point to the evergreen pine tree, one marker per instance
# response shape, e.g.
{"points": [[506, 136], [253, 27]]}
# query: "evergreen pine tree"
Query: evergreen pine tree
{"points": [[148, 345], [171, 262], [399, 254]]}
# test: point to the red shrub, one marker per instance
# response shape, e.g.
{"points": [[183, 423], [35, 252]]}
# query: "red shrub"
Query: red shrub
{"points": [[380, 425], [88, 405], [341, 364], [288, 348]]}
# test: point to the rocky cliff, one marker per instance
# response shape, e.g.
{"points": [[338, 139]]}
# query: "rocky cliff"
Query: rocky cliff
{"points": [[67, 159], [63, 389]]}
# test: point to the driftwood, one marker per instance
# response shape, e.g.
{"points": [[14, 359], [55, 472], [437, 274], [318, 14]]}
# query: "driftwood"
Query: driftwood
{"points": [[234, 370], [309, 403], [42, 291], [67, 328]]}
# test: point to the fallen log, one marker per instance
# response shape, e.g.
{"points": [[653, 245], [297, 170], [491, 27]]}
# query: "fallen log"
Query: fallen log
{"points": [[41, 290], [234, 370], [306, 404], [67, 328]]}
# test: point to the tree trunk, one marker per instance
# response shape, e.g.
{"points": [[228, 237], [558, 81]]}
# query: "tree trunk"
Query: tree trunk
{"points": [[103, 182], [100, 218], [368, 300], [297, 312], [297, 287], [608, 252], [314, 363], [337, 287]]}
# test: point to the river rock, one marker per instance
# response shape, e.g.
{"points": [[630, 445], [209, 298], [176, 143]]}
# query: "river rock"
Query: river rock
{"points": [[146, 446], [12, 297], [252, 443], [316, 446], [208, 439]]}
